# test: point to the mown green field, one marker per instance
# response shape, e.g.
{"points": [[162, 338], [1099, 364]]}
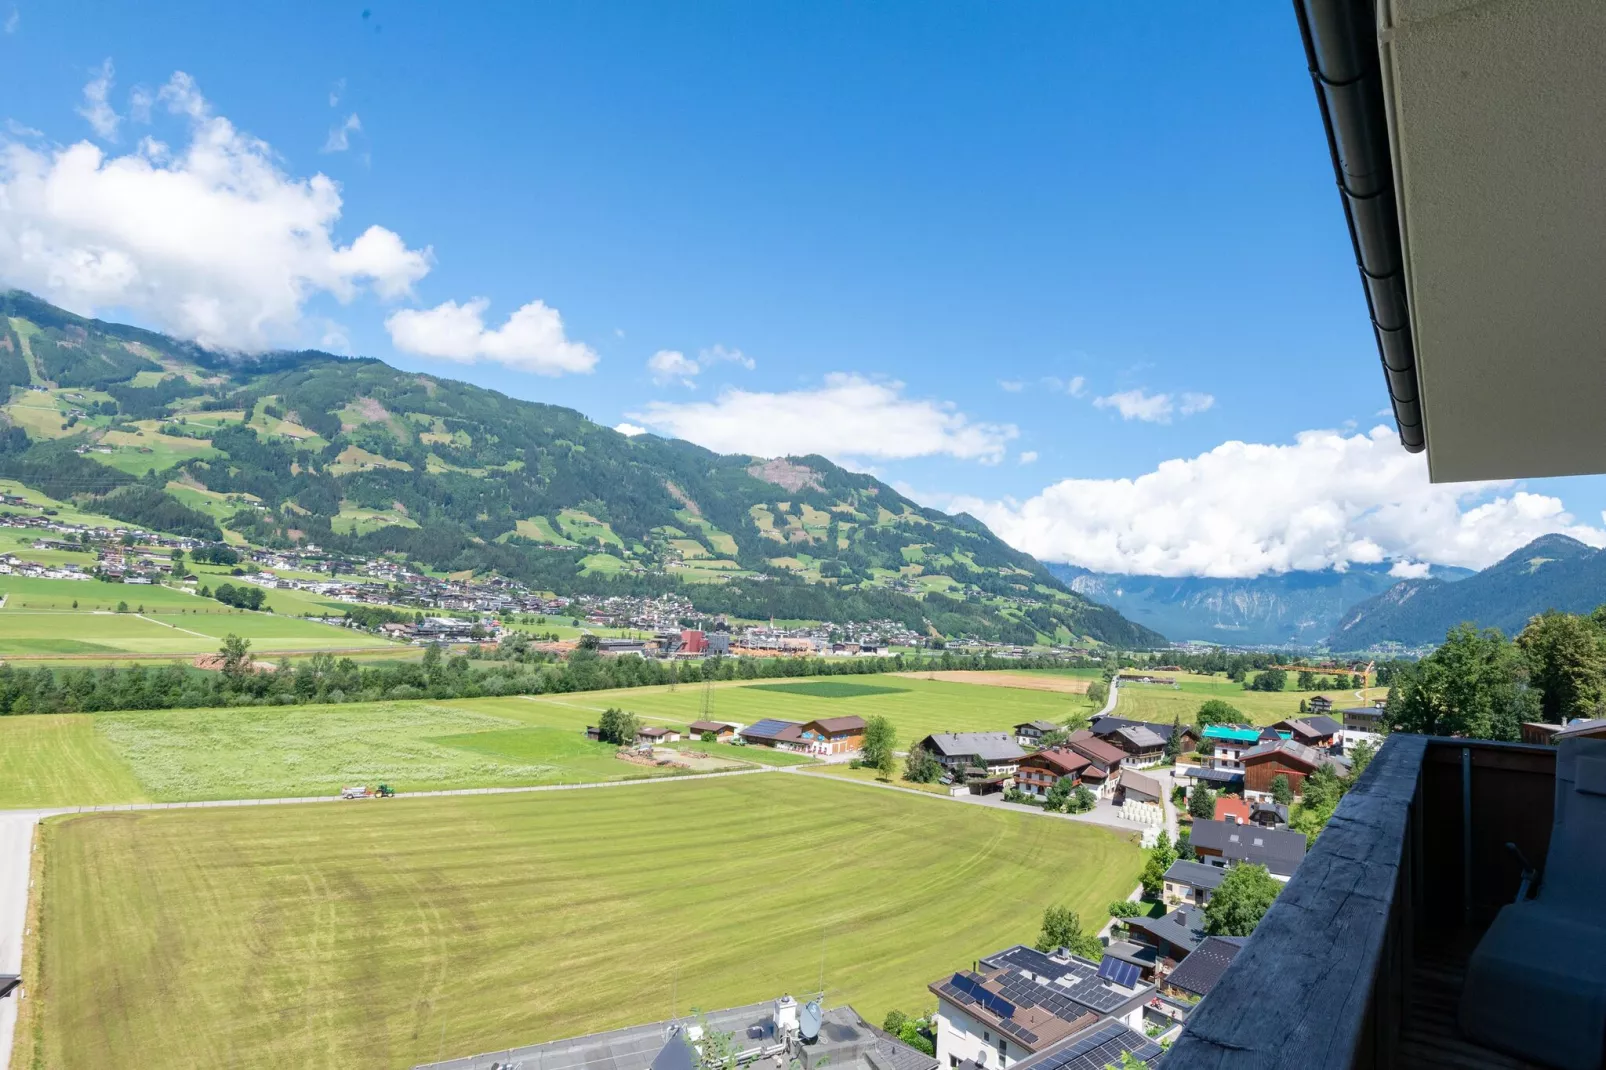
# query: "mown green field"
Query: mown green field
{"points": [[86, 631], [60, 760], [379, 935], [1158, 702], [916, 707]]}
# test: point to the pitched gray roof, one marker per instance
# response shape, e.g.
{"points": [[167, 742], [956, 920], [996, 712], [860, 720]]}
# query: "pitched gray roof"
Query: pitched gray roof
{"points": [[1279, 850], [1041, 726], [1184, 926], [986, 746], [1141, 736], [1138, 782], [1199, 972], [1196, 873], [1109, 724]]}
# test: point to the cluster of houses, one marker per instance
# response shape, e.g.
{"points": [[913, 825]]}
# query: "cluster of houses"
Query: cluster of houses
{"points": [[823, 737], [1247, 759]]}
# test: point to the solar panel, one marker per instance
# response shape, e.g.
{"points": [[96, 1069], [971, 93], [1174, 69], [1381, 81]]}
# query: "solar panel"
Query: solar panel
{"points": [[1100, 1048], [1124, 974], [768, 727]]}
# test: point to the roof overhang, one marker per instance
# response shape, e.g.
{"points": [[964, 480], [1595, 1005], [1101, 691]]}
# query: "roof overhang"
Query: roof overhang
{"points": [[1466, 137]]}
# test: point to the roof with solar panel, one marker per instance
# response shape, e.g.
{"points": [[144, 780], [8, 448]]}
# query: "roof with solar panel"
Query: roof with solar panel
{"points": [[1095, 1048], [1038, 1000]]}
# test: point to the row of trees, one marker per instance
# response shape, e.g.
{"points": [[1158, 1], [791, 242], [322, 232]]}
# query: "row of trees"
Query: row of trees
{"points": [[1483, 685]]}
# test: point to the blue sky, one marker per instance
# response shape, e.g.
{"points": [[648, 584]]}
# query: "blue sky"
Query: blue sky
{"points": [[1085, 241]]}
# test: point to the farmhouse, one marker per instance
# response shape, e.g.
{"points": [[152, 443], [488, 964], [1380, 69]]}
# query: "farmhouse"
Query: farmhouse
{"points": [[1191, 882], [1103, 761], [652, 735], [1229, 742], [1174, 937], [996, 752], [1319, 732], [1285, 758], [782, 735], [722, 731], [1320, 704], [1021, 1005], [1107, 727], [1039, 771], [1031, 732], [1221, 843], [833, 735]]}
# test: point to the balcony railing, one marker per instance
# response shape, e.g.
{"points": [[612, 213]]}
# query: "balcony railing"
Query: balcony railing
{"points": [[1358, 962]]}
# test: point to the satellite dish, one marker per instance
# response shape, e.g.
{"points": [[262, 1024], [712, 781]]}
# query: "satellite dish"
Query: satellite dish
{"points": [[809, 1025]]}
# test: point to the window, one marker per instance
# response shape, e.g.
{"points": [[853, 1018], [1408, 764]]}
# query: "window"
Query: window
{"points": [[988, 1037]]}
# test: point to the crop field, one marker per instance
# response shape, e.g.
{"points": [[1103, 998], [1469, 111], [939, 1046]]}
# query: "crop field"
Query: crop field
{"points": [[26, 592], [60, 760], [916, 707], [379, 935], [25, 632], [1159, 702]]}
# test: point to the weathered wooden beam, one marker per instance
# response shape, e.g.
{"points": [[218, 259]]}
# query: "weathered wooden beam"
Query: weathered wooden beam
{"points": [[1315, 982]]}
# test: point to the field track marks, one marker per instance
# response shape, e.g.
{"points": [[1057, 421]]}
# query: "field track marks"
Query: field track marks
{"points": [[175, 627]]}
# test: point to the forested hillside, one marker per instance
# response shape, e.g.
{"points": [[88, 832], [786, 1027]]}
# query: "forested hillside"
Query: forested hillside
{"points": [[360, 458]]}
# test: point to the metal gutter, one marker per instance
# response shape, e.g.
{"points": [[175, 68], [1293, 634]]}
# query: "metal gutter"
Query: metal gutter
{"points": [[1341, 50]]}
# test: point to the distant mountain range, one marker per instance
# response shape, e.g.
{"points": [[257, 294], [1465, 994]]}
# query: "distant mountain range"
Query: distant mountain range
{"points": [[1301, 608], [1552, 572]]}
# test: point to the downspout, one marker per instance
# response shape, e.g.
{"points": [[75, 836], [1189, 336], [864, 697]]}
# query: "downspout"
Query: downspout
{"points": [[1341, 50]]}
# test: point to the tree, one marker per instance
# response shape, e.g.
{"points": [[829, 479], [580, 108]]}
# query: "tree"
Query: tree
{"points": [[1098, 693], [1360, 758], [618, 727], [1125, 908], [1306, 681], [921, 766], [1268, 680], [588, 641], [879, 739], [1059, 796], [1201, 803], [1240, 901], [122, 607], [1322, 789], [1476, 685], [1161, 855], [716, 1047], [886, 762], [1173, 743], [1281, 793], [1082, 800], [236, 653], [1566, 663], [1063, 928], [893, 1022], [1185, 851], [709, 737], [1215, 711]]}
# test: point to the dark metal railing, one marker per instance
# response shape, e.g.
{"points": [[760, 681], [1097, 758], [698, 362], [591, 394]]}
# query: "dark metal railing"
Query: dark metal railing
{"points": [[1417, 847]]}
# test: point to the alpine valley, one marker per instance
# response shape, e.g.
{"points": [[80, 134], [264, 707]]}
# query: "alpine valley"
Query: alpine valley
{"points": [[359, 458]]}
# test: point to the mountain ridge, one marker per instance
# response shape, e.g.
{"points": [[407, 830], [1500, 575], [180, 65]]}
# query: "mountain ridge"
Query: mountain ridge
{"points": [[302, 446]]}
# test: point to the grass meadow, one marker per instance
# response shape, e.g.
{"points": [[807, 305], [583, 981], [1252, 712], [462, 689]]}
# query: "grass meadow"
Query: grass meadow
{"points": [[60, 760], [1159, 702], [380, 935], [916, 707]]}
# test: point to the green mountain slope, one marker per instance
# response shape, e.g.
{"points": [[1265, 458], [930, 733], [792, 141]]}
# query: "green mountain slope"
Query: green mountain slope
{"points": [[358, 457]]}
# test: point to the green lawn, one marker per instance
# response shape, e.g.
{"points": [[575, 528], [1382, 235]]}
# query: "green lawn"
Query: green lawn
{"points": [[380, 935], [915, 706], [35, 632], [870, 776], [60, 760], [1158, 702], [264, 752]]}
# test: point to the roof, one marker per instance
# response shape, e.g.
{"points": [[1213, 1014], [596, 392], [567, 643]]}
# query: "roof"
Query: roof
{"points": [[836, 724], [1141, 736], [1199, 972], [1315, 727], [1276, 809], [1215, 776], [1594, 727], [772, 729], [986, 746], [1235, 732], [652, 730], [1363, 711], [1126, 951], [1231, 806], [1100, 1045], [710, 726], [1196, 874], [1279, 850], [1184, 927], [1133, 781], [1109, 723], [1288, 750], [1041, 726], [676, 1054], [1095, 748], [1060, 759]]}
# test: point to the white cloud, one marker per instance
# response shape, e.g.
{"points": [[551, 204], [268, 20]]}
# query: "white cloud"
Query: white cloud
{"points": [[1139, 404], [630, 430], [671, 365], [532, 339], [97, 108], [1028, 457], [849, 417], [336, 91], [1243, 509], [1014, 386], [13, 20], [1077, 386], [1410, 570], [213, 241], [339, 139]]}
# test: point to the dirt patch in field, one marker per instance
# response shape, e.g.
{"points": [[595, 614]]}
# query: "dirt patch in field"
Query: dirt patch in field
{"points": [[1064, 684]]}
